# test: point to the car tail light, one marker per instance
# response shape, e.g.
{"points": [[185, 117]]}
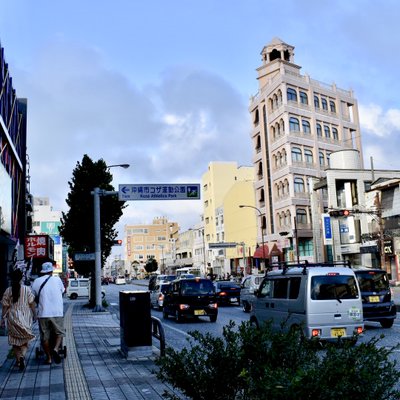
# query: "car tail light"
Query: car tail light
{"points": [[359, 330], [316, 332], [160, 296], [213, 305], [222, 293], [183, 306]]}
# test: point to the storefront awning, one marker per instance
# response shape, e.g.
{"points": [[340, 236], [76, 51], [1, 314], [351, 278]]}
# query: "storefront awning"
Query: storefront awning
{"points": [[260, 253]]}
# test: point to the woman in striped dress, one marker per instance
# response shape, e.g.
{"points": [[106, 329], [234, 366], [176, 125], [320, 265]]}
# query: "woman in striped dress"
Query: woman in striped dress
{"points": [[19, 309]]}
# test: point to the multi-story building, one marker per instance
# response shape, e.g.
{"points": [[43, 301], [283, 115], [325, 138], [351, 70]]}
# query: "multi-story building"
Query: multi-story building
{"points": [[217, 182], [347, 215], [297, 123], [46, 221], [156, 240], [14, 196]]}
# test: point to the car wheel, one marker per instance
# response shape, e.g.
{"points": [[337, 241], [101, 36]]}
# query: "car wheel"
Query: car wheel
{"points": [[245, 306], [213, 318], [73, 296], [386, 323]]}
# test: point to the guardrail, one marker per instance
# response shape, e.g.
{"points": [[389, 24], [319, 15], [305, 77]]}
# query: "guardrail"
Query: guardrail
{"points": [[157, 331]]}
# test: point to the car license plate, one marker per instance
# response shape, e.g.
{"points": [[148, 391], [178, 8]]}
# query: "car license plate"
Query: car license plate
{"points": [[374, 299], [199, 312], [233, 299], [336, 332]]}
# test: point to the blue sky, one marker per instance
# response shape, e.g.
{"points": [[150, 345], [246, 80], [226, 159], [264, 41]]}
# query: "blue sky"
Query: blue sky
{"points": [[165, 85]]}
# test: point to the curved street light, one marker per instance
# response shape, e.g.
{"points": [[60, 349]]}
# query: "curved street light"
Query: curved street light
{"points": [[97, 192], [262, 229]]}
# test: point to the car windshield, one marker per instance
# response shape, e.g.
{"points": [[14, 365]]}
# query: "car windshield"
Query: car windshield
{"points": [[197, 287], [333, 287], [372, 281]]}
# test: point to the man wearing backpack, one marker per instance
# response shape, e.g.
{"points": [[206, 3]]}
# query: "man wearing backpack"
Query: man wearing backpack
{"points": [[49, 290]]}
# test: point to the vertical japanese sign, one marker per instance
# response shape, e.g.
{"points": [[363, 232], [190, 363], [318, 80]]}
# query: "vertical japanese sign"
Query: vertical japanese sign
{"points": [[327, 229], [39, 246]]}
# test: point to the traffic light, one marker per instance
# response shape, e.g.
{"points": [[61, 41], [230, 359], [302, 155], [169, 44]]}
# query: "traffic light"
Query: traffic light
{"points": [[339, 213], [117, 242]]}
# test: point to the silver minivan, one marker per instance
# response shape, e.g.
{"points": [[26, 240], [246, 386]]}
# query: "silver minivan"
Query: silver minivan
{"points": [[323, 301]]}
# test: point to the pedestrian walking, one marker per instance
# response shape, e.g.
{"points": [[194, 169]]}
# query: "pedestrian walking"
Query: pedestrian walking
{"points": [[18, 314], [49, 290]]}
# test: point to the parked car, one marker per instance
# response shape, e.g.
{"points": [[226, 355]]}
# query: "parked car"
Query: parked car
{"points": [[377, 300], [157, 295], [249, 285], [193, 297], [157, 278], [79, 287], [323, 302], [227, 292]]}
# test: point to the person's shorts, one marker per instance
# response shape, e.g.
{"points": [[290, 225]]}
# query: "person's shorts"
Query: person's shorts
{"points": [[51, 325]]}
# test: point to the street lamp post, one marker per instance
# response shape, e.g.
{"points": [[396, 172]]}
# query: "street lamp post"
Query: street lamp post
{"points": [[262, 229], [97, 192]]}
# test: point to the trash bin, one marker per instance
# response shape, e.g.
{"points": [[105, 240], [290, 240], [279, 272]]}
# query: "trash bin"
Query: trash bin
{"points": [[135, 318]]}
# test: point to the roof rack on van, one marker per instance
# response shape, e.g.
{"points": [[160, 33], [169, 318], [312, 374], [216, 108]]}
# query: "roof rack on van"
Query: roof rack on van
{"points": [[285, 265]]}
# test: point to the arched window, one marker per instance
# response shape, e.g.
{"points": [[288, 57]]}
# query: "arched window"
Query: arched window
{"points": [[324, 103], [280, 160], [316, 101], [273, 132], [278, 130], [262, 198], [280, 96], [279, 189], [308, 156], [328, 159], [335, 134], [327, 131], [298, 185], [291, 94], [303, 98], [280, 219], [276, 101], [256, 117], [332, 106], [306, 126], [275, 160], [319, 130], [258, 142], [284, 158], [263, 222], [282, 124], [294, 125], [271, 104], [260, 169], [287, 218], [321, 159], [296, 154], [301, 216], [286, 186]]}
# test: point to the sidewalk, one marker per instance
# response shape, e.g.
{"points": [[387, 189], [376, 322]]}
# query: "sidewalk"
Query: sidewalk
{"points": [[93, 369]]}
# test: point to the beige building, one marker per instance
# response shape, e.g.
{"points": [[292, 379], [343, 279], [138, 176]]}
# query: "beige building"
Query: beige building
{"points": [[220, 184], [156, 240], [297, 123]]}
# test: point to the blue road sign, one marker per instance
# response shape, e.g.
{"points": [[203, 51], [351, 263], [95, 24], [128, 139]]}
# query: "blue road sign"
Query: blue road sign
{"points": [[161, 191]]}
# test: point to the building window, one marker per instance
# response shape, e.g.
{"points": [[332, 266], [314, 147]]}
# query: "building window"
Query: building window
{"points": [[328, 159], [306, 248], [303, 98], [256, 117], [316, 102], [287, 218], [319, 130], [324, 104], [291, 95], [332, 106], [294, 124], [306, 126], [296, 154], [321, 159], [298, 185], [327, 131], [301, 216], [261, 200], [260, 170], [308, 156], [335, 134]]}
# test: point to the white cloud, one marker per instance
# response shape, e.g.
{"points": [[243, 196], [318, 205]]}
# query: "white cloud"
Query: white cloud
{"points": [[379, 122]]}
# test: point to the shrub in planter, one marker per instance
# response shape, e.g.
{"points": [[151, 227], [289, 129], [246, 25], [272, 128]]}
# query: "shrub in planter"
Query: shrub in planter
{"points": [[258, 364]]}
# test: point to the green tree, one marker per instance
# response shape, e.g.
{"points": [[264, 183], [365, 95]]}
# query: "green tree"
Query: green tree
{"points": [[77, 225]]}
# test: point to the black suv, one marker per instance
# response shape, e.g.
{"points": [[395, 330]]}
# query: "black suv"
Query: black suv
{"points": [[190, 297], [227, 292], [376, 295]]}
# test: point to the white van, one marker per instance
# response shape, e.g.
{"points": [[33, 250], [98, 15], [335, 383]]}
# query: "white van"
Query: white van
{"points": [[323, 301], [79, 287]]}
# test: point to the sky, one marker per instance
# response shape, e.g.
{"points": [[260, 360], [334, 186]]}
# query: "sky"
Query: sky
{"points": [[165, 85]]}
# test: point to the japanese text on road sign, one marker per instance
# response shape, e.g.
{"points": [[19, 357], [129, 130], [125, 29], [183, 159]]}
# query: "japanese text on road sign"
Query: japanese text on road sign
{"points": [[161, 191]]}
